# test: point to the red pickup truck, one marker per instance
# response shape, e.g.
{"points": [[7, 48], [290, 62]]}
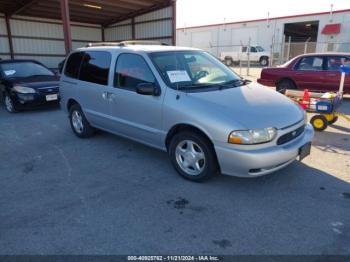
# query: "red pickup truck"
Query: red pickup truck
{"points": [[316, 72]]}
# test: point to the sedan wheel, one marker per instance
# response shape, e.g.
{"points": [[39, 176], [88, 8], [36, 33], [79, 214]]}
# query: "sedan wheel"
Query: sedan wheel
{"points": [[284, 85], [9, 105]]}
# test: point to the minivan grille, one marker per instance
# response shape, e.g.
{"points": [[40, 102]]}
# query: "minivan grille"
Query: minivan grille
{"points": [[291, 135]]}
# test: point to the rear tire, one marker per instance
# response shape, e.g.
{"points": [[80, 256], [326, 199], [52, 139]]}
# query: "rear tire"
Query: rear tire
{"points": [[228, 61], [285, 84], [193, 156], [9, 104], [79, 123], [264, 61]]}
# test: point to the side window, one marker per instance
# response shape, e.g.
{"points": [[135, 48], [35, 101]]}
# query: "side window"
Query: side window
{"points": [[334, 62], [132, 70], [95, 67], [311, 63], [253, 50], [244, 49], [73, 65]]}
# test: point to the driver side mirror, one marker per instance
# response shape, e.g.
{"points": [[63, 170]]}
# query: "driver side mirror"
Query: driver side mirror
{"points": [[148, 89]]}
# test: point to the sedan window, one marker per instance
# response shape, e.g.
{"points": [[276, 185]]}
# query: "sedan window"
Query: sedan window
{"points": [[311, 63], [334, 62]]}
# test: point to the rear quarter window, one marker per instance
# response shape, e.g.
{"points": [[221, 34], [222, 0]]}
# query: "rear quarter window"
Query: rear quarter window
{"points": [[73, 65], [95, 67]]}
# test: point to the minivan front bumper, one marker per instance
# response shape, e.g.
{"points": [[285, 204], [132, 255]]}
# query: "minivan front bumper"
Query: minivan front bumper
{"points": [[258, 162]]}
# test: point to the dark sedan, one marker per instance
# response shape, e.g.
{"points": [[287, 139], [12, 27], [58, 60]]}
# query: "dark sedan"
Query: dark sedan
{"points": [[27, 84], [316, 72]]}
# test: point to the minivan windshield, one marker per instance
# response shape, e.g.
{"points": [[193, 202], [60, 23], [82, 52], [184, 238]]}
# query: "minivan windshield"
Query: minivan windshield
{"points": [[24, 69], [193, 70]]}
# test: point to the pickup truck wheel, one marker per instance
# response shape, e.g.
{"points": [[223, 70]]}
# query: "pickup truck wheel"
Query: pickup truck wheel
{"points": [[264, 61], [79, 123], [285, 84], [193, 156], [228, 61]]}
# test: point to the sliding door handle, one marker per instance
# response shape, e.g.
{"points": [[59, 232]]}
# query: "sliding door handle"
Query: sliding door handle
{"points": [[108, 96]]}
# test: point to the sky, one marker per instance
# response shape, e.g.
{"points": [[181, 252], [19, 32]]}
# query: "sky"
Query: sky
{"points": [[203, 12]]}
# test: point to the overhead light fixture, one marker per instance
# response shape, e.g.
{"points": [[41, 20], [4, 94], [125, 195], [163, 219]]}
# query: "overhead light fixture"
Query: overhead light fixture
{"points": [[308, 25], [93, 6]]}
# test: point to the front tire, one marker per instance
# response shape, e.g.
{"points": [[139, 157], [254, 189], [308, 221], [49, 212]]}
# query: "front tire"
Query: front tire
{"points": [[193, 156], [79, 123], [9, 104]]}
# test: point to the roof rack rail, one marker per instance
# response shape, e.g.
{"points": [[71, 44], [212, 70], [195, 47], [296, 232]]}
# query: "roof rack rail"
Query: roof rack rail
{"points": [[125, 43], [142, 42], [103, 44]]}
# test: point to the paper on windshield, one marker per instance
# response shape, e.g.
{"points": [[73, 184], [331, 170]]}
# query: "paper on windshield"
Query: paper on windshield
{"points": [[9, 72], [178, 76]]}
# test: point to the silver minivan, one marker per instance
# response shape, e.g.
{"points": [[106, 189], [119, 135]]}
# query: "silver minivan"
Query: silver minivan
{"points": [[186, 102]]}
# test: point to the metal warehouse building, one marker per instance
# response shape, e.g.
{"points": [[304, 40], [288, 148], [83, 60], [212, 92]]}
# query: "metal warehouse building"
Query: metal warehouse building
{"points": [[284, 37], [46, 30]]}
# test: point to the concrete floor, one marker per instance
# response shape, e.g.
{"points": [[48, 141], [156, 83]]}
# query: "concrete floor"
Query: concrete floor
{"points": [[108, 195]]}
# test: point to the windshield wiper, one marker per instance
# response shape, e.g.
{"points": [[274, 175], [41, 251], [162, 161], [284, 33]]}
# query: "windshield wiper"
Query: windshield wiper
{"points": [[38, 75], [193, 86], [238, 82], [225, 85]]}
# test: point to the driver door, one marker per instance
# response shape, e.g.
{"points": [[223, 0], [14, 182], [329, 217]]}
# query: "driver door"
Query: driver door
{"points": [[135, 115]]}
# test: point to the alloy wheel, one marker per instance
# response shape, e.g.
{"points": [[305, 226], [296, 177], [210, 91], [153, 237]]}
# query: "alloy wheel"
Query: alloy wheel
{"points": [[77, 122], [190, 157]]}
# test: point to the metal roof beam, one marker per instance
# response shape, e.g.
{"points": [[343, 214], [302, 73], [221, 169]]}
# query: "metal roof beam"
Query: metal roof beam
{"points": [[23, 7]]}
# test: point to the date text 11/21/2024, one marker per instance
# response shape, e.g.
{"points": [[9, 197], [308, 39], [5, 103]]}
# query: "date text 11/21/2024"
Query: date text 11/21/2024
{"points": [[173, 258]]}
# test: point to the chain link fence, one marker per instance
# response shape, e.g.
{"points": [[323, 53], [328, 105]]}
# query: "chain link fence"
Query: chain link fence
{"points": [[279, 53], [283, 52]]}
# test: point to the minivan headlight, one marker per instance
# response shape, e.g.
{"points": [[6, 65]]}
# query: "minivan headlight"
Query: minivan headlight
{"points": [[253, 136], [23, 90]]}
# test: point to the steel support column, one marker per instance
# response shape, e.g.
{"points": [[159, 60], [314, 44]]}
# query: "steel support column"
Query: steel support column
{"points": [[173, 5], [133, 32], [66, 25], [9, 35], [103, 34]]}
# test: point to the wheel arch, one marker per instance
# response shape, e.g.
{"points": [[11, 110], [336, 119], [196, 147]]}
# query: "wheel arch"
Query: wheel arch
{"points": [[71, 102], [185, 127], [286, 78], [189, 127]]}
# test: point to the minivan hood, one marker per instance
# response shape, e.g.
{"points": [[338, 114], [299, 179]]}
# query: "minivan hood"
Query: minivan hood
{"points": [[36, 81], [252, 106]]}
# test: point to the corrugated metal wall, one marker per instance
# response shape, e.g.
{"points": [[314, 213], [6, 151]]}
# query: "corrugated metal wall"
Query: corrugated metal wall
{"points": [[156, 25], [42, 39], [4, 43]]}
